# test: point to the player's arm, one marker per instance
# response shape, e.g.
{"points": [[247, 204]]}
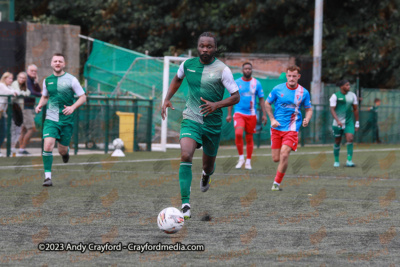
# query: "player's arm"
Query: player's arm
{"points": [[230, 85], [268, 109], [307, 119], [307, 106], [264, 111], [43, 99], [332, 103], [356, 114], [173, 88], [42, 102], [210, 107], [78, 90], [335, 117], [229, 116], [70, 109]]}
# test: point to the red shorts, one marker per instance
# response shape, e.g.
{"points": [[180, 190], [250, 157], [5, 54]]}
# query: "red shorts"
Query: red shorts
{"points": [[248, 122], [279, 138]]}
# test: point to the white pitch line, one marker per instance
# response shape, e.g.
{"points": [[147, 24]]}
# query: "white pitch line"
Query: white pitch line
{"points": [[168, 159]]}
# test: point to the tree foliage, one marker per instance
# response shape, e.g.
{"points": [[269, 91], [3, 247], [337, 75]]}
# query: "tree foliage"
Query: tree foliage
{"points": [[360, 37]]}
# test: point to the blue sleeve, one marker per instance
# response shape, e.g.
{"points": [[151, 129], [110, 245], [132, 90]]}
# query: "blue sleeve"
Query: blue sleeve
{"points": [[260, 92], [307, 101], [272, 96]]}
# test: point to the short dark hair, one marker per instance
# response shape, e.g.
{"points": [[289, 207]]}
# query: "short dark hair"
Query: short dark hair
{"points": [[376, 100], [293, 68], [247, 63], [208, 34], [58, 55], [342, 82]]}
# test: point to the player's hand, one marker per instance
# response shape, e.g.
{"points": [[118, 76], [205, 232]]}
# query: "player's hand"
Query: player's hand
{"points": [[208, 107], [264, 120], [275, 123], [167, 104], [228, 118], [357, 125], [68, 110], [38, 108], [305, 123], [340, 124]]}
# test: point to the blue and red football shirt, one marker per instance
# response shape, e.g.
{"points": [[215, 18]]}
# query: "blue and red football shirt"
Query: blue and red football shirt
{"points": [[287, 106], [248, 91]]}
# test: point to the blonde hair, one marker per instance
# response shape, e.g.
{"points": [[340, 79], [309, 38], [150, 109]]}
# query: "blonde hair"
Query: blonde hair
{"points": [[5, 76]]}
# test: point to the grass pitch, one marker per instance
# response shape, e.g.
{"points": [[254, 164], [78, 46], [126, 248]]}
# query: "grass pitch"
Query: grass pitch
{"points": [[324, 217]]}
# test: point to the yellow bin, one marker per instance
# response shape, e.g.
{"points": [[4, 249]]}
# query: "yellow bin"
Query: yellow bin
{"points": [[126, 128]]}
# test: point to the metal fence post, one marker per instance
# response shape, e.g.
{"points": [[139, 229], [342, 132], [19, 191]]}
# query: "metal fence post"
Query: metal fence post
{"points": [[76, 132], [149, 125], [9, 121], [259, 122], [107, 122], [44, 111], [135, 142]]}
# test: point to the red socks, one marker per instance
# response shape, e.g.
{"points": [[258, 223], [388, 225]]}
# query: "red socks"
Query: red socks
{"points": [[279, 177], [249, 145], [239, 140]]}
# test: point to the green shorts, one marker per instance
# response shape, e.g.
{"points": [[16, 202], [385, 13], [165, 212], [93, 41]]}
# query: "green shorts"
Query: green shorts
{"points": [[61, 131], [339, 131], [203, 137]]}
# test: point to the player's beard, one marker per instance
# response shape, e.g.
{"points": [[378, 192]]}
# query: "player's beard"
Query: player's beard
{"points": [[247, 76], [59, 71], [206, 58]]}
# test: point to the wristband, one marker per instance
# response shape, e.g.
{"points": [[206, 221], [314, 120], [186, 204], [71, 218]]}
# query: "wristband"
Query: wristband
{"points": [[357, 124]]}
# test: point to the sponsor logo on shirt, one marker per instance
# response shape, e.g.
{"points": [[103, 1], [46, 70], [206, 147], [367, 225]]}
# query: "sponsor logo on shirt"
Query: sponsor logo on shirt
{"points": [[284, 105], [46, 134], [340, 98], [191, 70], [281, 95], [51, 83], [186, 134]]}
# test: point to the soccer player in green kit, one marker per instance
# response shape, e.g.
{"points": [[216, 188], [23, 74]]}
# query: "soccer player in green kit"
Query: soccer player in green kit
{"points": [[343, 104], [58, 92], [207, 78]]}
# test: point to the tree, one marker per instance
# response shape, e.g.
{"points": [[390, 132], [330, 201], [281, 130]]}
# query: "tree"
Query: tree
{"points": [[359, 38]]}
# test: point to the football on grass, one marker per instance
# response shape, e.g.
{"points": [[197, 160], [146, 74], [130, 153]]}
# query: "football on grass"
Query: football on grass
{"points": [[170, 220]]}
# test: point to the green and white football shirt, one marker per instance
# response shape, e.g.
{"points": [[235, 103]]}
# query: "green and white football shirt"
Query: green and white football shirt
{"points": [[343, 107], [209, 82], [61, 91]]}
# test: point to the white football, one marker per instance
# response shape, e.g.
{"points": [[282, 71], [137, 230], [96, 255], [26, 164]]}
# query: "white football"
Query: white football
{"points": [[118, 143], [170, 220]]}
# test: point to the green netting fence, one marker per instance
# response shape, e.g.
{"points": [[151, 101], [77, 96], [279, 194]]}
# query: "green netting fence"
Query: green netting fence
{"points": [[114, 70], [98, 122], [111, 70]]}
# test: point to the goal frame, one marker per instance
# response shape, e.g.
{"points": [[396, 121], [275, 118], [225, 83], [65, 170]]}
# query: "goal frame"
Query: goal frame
{"points": [[164, 124]]}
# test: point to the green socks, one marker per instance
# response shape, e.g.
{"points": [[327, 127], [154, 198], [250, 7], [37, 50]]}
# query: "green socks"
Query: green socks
{"points": [[185, 180], [349, 151], [336, 150], [47, 162]]}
